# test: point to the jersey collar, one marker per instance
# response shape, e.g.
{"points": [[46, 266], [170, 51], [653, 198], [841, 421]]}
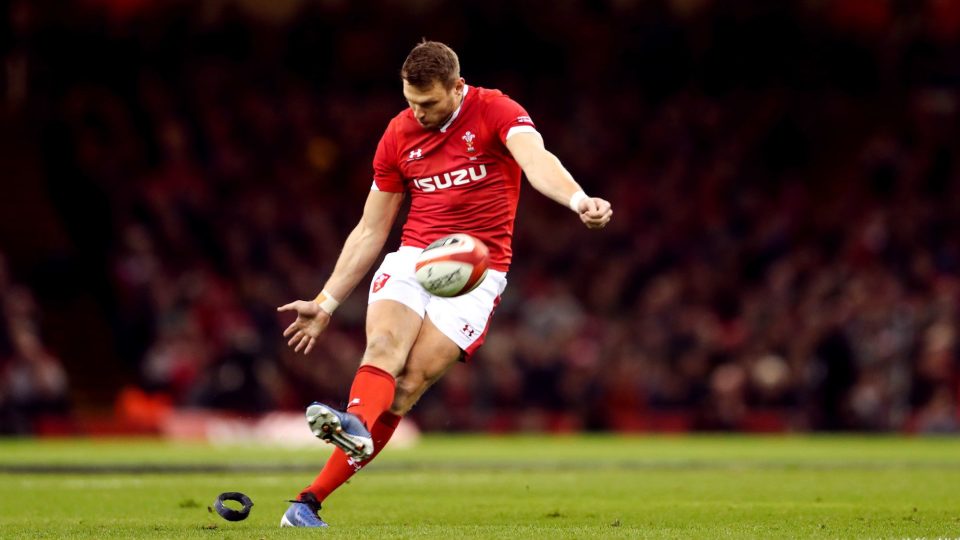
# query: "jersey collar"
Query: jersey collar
{"points": [[456, 113]]}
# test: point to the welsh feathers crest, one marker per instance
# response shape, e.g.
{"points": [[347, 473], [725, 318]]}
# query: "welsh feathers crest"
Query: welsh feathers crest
{"points": [[468, 137]]}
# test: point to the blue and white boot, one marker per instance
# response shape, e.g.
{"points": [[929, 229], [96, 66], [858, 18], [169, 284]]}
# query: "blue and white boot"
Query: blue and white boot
{"points": [[341, 429], [303, 512]]}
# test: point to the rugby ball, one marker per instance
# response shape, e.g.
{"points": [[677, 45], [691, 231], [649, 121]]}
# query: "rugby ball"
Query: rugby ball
{"points": [[453, 265]]}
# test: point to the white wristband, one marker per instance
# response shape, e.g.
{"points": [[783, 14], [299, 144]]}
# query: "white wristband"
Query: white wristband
{"points": [[327, 302], [575, 200]]}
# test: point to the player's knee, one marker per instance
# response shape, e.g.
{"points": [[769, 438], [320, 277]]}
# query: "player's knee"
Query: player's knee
{"points": [[384, 352], [400, 406], [410, 386]]}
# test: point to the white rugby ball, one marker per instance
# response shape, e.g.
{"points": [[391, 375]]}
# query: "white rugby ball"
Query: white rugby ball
{"points": [[453, 265]]}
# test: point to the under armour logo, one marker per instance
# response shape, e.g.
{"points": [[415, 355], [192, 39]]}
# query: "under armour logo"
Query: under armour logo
{"points": [[415, 154], [468, 331]]}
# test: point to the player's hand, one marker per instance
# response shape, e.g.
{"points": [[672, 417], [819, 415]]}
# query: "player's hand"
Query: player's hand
{"points": [[595, 212], [311, 321]]}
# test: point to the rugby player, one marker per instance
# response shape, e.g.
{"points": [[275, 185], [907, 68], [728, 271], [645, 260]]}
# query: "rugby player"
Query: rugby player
{"points": [[458, 151]]}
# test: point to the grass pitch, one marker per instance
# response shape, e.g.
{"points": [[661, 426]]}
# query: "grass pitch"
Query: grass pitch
{"points": [[497, 487]]}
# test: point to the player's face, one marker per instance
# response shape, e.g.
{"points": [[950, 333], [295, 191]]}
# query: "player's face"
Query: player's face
{"points": [[433, 106]]}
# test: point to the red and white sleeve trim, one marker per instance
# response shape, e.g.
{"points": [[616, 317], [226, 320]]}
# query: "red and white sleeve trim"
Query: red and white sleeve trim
{"points": [[519, 129]]}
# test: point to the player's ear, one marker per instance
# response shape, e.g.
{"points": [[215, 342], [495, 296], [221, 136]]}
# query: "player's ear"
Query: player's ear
{"points": [[458, 86]]}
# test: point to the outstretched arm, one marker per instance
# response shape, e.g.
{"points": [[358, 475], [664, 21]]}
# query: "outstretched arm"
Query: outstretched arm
{"points": [[548, 176], [364, 243], [359, 252]]}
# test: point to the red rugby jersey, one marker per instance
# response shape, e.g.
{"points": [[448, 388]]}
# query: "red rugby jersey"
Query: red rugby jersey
{"points": [[461, 178]]}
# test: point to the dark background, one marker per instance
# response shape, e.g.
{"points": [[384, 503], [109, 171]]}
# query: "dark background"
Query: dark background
{"points": [[784, 253]]}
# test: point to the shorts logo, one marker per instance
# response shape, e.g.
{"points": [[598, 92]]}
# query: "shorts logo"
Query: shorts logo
{"points": [[380, 281], [467, 331]]}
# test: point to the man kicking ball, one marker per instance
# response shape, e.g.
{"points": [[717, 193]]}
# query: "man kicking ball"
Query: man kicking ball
{"points": [[458, 151]]}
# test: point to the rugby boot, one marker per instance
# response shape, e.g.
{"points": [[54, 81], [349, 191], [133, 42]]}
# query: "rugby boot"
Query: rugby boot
{"points": [[303, 512], [341, 429]]}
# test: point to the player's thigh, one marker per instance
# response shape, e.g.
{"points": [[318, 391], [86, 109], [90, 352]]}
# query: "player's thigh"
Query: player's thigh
{"points": [[392, 329], [433, 353], [395, 311]]}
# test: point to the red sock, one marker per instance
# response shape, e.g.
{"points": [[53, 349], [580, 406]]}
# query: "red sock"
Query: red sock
{"points": [[371, 394], [340, 468]]}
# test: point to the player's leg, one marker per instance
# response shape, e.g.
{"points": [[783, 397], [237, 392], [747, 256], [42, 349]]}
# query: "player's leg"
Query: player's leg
{"points": [[392, 328], [459, 330], [453, 328], [431, 356], [394, 316], [438, 346]]}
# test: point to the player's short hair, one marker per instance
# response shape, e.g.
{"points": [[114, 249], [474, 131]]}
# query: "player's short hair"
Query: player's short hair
{"points": [[429, 62]]}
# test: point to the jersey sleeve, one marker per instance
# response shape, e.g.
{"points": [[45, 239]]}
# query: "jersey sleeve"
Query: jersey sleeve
{"points": [[508, 118], [386, 173]]}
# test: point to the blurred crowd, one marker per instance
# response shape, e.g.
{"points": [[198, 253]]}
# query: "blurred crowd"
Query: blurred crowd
{"points": [[785, 250], [33, 382]]}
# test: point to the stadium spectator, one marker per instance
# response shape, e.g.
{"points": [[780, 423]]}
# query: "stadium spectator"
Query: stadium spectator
{"points": [[33, 383]]}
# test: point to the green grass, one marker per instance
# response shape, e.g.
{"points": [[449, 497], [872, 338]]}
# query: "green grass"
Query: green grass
{"points": [[500, 487]]}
